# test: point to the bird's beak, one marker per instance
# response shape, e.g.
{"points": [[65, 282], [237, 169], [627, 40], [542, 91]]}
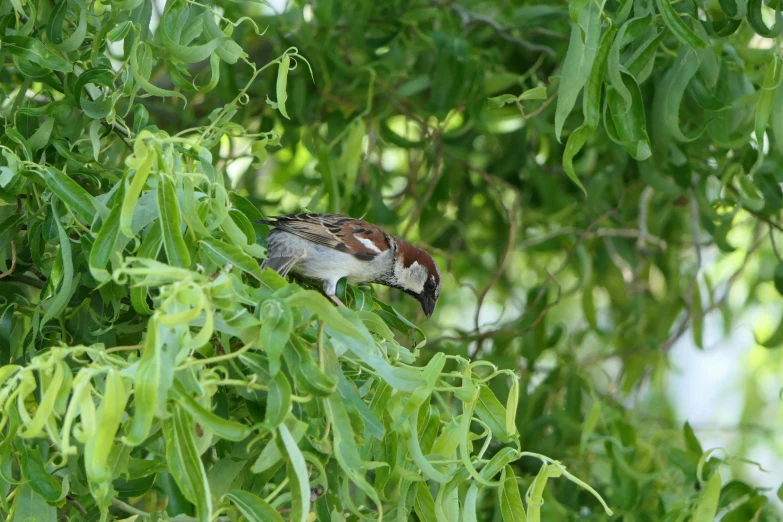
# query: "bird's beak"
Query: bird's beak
{"points": [[428, 305]]}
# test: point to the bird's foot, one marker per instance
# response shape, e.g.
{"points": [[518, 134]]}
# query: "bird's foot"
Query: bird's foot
{"points": [[336, 300]]}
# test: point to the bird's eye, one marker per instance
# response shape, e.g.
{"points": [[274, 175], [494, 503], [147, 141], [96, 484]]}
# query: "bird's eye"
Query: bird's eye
{"points": [[430, 284]]}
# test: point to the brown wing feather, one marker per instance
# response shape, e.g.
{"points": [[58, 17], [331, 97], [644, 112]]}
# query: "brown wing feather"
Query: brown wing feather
{"points": [[334, 231]]}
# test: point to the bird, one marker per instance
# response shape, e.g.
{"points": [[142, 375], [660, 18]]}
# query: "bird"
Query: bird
{"points": [[330, 247]]}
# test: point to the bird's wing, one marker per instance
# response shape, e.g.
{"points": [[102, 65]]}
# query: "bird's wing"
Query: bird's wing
{"points": [[353, 236]]}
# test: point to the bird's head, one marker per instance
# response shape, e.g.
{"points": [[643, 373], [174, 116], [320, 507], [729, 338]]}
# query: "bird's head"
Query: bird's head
{"points": [[417, 274]]}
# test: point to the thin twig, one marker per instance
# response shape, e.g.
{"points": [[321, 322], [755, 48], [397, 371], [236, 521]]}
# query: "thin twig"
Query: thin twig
{"points": [[469, 17], [128, 508], [540, 108], [75, 503], [13, 261], [119, 504]]}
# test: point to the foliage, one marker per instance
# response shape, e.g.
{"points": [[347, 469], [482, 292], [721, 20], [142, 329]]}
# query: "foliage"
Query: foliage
{"points": [[151, 369]]}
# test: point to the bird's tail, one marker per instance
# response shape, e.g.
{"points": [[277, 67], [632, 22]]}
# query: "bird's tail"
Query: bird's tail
{"points": [[280, 264]]}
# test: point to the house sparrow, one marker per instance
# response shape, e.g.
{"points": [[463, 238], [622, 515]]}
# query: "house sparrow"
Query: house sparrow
{"points": [[329, 247]]}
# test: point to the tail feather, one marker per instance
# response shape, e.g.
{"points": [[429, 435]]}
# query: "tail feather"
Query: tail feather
{"points": [[280, 264]]}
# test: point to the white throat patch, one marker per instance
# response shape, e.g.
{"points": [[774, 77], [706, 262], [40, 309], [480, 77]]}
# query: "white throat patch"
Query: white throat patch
{"points": [[411, 278]]}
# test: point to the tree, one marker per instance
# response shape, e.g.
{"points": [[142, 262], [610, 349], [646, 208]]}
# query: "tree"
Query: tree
{"points": [[151, 368]]}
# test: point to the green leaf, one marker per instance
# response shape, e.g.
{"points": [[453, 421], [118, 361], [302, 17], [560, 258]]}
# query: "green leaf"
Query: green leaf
{"points": [[344, 442], [678, 27], [190, 212], [423, 502], [365, 349], [491, 411], [30, 506], [40, 137], [415, 452], [509, 498], [667, 102], [72, 194], [97, 76], [152, 380], [57, 20], [629, 121], [141, 57], [534, 496], [614, 69], [34, 50], [282, 83], [756, 19], [98, 447], [428, 380], [504, 99], [185, 465], [325, 310], [278, 323], [253, 508], [39, 480], [305, 371], [69, 282], [227, 50], [272, 453], [591, 421], [278, 401], [223, 253], [119, 31], [105, 242], [749, 510], [223, 428], [734, 8], [142, 160], [582, 49], [691, 442], [512, 403], [592, 107], [708, 502], [536, 93], [186, 53], [766, 97], [297, 476], [352, 155], [170, 224]]}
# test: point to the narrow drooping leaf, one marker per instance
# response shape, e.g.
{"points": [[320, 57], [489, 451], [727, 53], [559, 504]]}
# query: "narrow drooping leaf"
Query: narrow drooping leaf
{"points": [[578, 64], [592, 107], [252, 507], [185, 464], [679, 27], [756, 19], [766, 97], [297, 475], [282, 84], [170, 224]]}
